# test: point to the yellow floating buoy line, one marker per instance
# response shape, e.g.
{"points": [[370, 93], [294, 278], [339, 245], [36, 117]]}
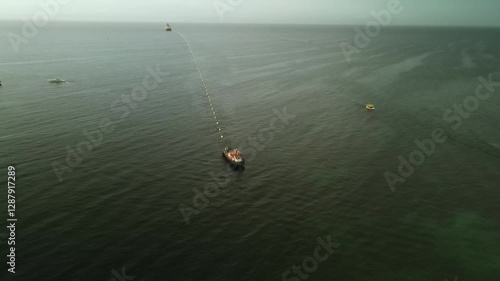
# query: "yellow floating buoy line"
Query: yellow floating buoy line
{"points": [[207, 93]]}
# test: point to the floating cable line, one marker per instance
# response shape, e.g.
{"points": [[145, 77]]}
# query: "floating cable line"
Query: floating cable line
{"points": [[207, 93]]}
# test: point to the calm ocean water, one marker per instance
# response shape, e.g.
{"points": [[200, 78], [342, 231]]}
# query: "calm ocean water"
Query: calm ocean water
{"points": [[320, 174]]}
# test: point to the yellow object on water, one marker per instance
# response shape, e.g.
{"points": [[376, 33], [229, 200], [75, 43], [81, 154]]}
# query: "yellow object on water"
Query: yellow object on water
{"points": [[370, 106]]}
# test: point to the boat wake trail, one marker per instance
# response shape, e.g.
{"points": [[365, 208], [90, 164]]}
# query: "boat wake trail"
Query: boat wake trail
{"points": [[207, 93]]}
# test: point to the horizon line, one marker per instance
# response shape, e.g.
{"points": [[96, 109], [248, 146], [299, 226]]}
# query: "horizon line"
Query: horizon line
{"points": [[259, 23]]}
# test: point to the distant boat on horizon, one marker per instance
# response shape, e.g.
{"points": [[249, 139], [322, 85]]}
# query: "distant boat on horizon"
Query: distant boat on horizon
{"points": [[168, 27]]}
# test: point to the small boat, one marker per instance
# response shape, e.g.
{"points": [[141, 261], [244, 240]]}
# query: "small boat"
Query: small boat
{"points": [[168, 27], [370, 106], [57, 80], [233, 156]]}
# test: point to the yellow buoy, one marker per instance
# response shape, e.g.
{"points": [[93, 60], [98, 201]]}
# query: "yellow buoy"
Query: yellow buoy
{"points": [[370, 106]]}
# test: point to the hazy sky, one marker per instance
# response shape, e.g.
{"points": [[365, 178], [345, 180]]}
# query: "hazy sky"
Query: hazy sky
{"points": [[416, 12]]}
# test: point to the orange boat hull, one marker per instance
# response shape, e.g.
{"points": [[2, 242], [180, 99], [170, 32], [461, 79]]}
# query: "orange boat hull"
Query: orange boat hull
{"points": [[230, 156]]}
